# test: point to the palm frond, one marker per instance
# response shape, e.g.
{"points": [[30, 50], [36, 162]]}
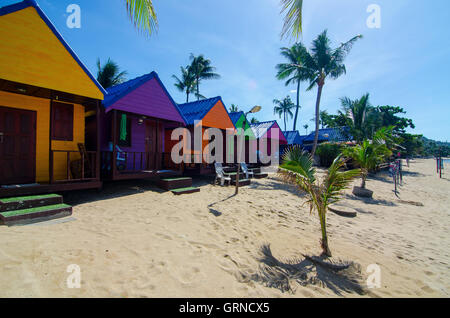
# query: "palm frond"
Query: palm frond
{"points": [[143, 15], [292, 22]]}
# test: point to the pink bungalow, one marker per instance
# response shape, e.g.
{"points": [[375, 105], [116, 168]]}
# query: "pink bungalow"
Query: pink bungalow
{"points": [[136, 114], [265, 130]]}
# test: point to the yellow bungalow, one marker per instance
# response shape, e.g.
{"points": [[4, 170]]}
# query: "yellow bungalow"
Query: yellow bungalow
{"points": [[49, 106]]}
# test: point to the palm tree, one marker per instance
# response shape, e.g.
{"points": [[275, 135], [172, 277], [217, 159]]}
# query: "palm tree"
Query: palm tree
{"points": [[293, 71], [306, 128], [143, 15], [292, 24], [361, 117], [254, 120], [324, 62], [283, 108], [201, 69], [233, 108], [367, 155], [186, 83], [297, 168], [109, 75]]}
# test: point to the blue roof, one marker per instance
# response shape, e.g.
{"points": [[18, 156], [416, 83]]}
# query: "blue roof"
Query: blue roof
{"points": [[32, 3], [235, 116], [293, 137], [197, 110], [116, 92], [330, 134]]}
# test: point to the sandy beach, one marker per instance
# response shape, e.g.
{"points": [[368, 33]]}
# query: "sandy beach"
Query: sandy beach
{"points": [[134, 240]]}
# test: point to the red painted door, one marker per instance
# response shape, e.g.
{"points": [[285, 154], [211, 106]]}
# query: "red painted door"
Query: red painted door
{"points": [[17, 146], [151, 143]]}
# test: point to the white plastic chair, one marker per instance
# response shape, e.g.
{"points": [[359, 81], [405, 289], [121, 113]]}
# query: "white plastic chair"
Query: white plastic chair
{"points": [[246, 171], [220, 175]]}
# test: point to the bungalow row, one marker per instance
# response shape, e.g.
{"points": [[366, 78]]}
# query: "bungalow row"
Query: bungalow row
{"points": [[61, 130]]}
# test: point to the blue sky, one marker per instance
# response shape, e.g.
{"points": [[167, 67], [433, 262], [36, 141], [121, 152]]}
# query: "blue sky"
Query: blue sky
{"points": [[404, 63]]}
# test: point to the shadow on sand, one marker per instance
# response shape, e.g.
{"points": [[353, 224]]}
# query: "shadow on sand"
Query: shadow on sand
{"points": [[117, 189], [338, 277], [369, 200], [277, 185]]}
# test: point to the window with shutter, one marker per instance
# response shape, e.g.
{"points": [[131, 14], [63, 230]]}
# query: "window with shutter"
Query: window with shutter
{"points": [[62, 121]]}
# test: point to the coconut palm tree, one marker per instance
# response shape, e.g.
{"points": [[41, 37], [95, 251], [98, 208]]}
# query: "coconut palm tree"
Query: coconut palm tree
{"points": [[143, 15], [292, 23], [294, 70], [362, 117], [254, 120], [324, 62], [186, 83], [201, 69], [306, 128], [233, 108], [297, 168], [109, 74], [283, 108], [367, 155]]}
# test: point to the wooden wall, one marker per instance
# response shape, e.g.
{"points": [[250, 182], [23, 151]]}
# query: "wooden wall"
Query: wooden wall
{"points": [[42, 108]]}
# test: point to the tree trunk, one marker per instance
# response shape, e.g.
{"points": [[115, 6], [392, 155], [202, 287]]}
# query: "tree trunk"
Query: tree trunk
{"points": [[324, 242], [316, 135], [285, 121], [363, 182], [198, 88], [298, 105], [187, 97]]}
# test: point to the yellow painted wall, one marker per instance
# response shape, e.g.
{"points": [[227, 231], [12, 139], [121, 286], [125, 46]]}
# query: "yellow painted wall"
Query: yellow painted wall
{"points": [[30, 53], [42, 108]]}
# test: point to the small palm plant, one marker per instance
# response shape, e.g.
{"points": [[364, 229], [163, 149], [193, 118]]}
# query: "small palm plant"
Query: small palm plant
{"points": [[297, 168], [367, 155]]}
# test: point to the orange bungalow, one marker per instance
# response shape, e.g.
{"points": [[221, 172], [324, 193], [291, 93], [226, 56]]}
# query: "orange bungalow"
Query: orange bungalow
{"points": [[213, 114], [49, 104]]}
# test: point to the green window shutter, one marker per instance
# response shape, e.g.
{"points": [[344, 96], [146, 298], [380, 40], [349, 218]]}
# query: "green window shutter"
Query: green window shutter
{"points": [[123, 128]]}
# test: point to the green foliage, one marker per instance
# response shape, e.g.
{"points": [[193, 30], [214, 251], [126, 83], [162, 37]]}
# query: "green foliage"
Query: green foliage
{"points": [[109, 74], [434, 148], [187, 81], [143, 15], [297, 168], [292, 22], [367, 155], [201, 69], [283, 108], [327, 152]]}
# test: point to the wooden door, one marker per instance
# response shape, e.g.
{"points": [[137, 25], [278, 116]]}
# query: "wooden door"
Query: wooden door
{"points": [[150, 144], [17, 146]]}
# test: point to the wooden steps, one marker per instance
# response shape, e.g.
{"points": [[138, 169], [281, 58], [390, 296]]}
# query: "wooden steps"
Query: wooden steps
{"points": [[35, 214], [242, 182], [175, 183], [178, 186], [185, 190], [260, 175], [27, 202]]}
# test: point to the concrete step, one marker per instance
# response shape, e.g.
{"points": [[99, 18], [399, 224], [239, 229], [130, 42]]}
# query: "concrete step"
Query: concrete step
{"points": [[175, 183], [27, 202], [36, 214], [185, 190]]}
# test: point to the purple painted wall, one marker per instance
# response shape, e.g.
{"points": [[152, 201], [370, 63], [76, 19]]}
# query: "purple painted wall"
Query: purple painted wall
{"points": [[281, 137], [149, 99]]}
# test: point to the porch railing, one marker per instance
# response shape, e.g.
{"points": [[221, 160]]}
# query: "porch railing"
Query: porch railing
{"points": [[71, 165]]}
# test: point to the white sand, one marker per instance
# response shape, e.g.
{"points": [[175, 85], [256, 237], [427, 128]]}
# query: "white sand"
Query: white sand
{"points": [[133, 240]]}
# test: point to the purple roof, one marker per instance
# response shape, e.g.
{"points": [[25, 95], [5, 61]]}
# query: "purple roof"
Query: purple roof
{"points": [[144, 95]]}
